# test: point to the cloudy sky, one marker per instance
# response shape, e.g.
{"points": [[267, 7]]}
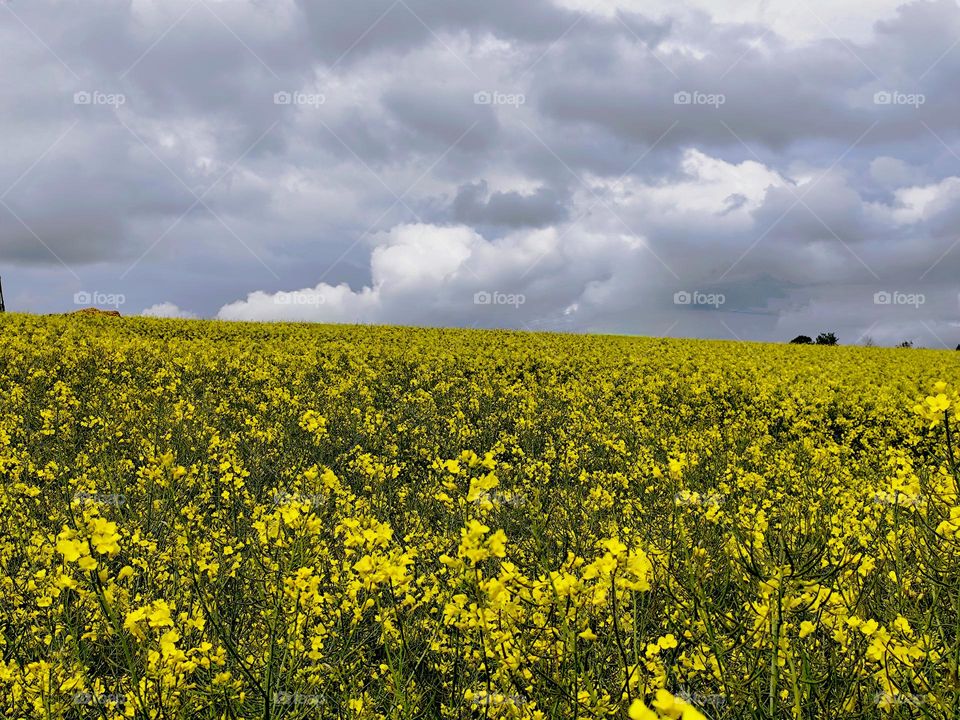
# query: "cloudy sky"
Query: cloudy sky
{"points": [[710, 168]]}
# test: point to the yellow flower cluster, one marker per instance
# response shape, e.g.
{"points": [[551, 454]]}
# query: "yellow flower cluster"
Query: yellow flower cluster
{"points": [[206, 520]]}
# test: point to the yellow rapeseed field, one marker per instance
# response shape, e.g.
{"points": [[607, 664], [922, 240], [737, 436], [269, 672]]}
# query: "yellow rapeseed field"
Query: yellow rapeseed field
{"points": [[208, 520]]}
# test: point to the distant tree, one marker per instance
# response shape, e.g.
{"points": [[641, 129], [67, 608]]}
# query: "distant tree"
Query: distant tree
{"points": [[906, 344], [827, 338], [869, 342], [958, 347], [807, 340]]}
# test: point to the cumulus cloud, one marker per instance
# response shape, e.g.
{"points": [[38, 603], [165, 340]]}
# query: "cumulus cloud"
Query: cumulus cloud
{"points": [[476, 206], [451, 275], [167, 310]]}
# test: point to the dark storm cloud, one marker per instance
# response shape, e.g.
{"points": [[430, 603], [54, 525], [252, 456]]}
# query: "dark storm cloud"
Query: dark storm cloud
{"points": [[474, 205], [346, 33], [399, 157], [431, 120]]}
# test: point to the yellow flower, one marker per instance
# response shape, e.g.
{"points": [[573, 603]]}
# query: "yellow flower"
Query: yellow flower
{"points": [[639, 711], [674, 707], [315, 424], [159, 615], [70, 549], [168, 642], [451, 466], [497, 544], [104, 536], [903, 625], [125, 572], [938, 404], [132, 622], [481, 485], [667, 642], [75, 549]]}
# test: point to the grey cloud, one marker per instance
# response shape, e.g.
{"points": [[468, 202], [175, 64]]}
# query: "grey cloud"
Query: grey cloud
{"points": [[347, 34], [824, 210], [307, 194], [437, 122], [891, 173], [474, 205]]}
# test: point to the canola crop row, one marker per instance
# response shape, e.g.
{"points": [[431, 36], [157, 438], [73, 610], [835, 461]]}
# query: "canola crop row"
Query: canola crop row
{"points": [[210, 520]]}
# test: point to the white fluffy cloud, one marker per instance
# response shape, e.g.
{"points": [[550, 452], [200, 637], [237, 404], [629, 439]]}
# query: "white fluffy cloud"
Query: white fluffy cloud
{"points": [[451, 275], [167, 310], [914, 203], [797, 21]]}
